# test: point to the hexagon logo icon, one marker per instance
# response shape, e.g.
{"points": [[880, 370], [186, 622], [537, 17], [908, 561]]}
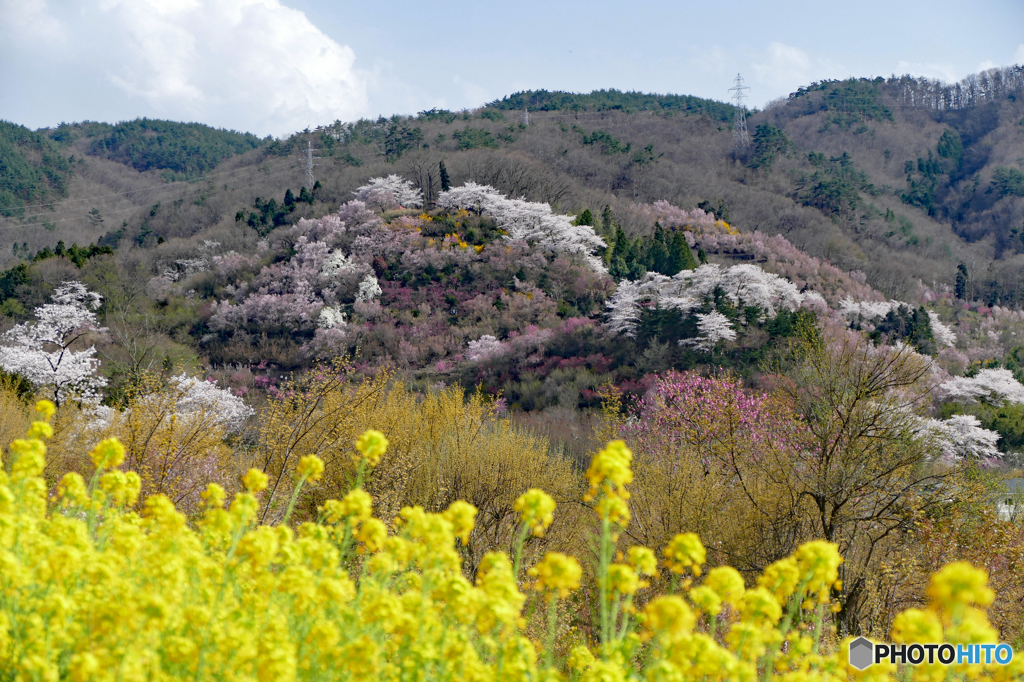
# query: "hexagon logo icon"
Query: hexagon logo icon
{"points": [[861, 653]]}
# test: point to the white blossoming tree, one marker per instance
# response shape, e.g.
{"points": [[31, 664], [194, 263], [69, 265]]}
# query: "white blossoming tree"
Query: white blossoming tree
{"points": [[330, 317], [962, 437], [369, 289], [225, 408], [943, 335], [624, 309], [993, 386], [394, 191], [41, 350], [484, 348], [714, 327], [529, 221], [692, 290]]}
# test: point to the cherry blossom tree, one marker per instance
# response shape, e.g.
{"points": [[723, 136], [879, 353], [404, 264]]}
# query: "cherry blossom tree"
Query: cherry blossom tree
{"points": [[962, 437], [943, 335], [41, 350], [529, 221], [690, 290], [226, 409], [471, 197], [993, 386], [330, 317], [484, 348], [714, 327], [369, 289], [624, 309], [393, 191]]}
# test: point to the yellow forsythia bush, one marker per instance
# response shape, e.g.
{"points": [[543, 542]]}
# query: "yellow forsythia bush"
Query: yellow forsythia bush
{"points": [[90, 590]]}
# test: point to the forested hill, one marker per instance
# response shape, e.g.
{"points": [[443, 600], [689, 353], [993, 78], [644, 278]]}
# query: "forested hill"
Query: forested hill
{"points": [[613, 100], [903, 179]]}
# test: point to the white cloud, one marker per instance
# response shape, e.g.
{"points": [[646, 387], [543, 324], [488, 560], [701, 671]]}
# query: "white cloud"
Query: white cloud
{"points": [[250, 64], [1018, 56], [946, 73], [471, 92], [783, 66]]}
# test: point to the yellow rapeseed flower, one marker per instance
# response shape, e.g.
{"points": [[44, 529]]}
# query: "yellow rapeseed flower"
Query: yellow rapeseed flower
{"points": [[214, 495], [668, 616], [643, 560], [916, 625], [310, 468], [727, 583], [46, 408], [610, 470], [558, 573], [356, 506], [40, 430], [372, 533], [29, 458], [615, 509], [819, 563], [623, 579], [781, 578], [372, 445], [107, 454], [760, 607], [683, 551], [536, 509], [462, 516], [580, 658], [960, 583], [255, 481]]}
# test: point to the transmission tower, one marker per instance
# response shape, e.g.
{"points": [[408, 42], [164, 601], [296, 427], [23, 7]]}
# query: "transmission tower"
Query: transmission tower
{"points": [[310, 164], [526, 116], [739, 129]]}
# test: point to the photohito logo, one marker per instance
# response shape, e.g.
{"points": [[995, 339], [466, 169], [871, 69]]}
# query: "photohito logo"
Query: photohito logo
{"points": [[865, 653]]}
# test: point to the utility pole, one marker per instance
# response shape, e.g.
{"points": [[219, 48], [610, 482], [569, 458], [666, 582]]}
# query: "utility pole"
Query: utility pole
{"points": [[310, 164], [739, 129]]}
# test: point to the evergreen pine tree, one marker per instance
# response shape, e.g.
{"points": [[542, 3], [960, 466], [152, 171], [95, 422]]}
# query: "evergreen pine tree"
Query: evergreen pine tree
{"points": [[446, 183], [585, 218], [656, 258], [960, 288], [680, 256]]}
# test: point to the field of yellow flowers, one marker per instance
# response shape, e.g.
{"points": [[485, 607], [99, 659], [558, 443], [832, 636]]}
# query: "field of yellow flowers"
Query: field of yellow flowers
{"points": [[91, 590]]}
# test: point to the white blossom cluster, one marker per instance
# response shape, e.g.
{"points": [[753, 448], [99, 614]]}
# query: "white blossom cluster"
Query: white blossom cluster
{"points": [[338, 263], [369, 289], [993, 386], [943, 335], [394, 191], [961, 436], [41, 351], [529, 221], [689, 290], [484, 348], [227, 409], [714, 327], [874, 310], [330, 317]]}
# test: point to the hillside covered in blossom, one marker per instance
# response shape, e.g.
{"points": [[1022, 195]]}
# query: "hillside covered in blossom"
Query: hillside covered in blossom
{"points": [[547, 249], [399, 345]]}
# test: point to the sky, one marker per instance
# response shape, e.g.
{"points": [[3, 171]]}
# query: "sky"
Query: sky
{"points": [[275, 67]]}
